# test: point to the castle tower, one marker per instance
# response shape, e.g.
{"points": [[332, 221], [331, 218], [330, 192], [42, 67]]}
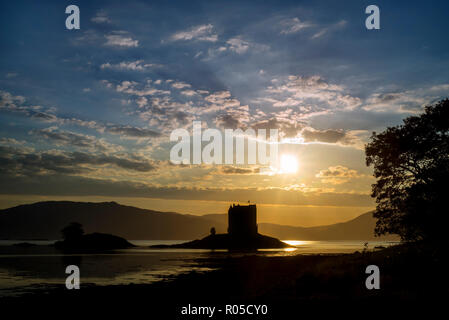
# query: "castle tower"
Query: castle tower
{"points": [[242, 220]]}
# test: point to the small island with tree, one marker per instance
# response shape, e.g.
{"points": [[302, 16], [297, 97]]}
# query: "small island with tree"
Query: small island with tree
{"points": [[74, 240]]}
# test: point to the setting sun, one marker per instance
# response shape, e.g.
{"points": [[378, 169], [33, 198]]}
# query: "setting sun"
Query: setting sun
{"points": [[289, 164]]}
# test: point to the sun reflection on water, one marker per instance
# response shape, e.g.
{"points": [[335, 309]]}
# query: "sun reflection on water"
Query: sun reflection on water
{"points": [[296, 243]]}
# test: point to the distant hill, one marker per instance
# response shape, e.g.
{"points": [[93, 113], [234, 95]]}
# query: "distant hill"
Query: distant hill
{"points": [[44, 220], [359, 228]]}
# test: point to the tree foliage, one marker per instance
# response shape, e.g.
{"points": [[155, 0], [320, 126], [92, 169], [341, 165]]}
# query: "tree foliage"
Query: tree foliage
{"points": [[73, 231], [411, 165]]}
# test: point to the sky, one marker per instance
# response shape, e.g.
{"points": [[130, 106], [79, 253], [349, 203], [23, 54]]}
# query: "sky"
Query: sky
{"points": [[86, 115]]}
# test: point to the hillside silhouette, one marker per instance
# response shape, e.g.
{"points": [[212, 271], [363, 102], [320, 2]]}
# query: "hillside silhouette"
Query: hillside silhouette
{"points": [[359, 228], [44, 220]]}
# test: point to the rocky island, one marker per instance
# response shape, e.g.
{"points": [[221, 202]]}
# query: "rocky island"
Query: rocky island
{"points": [[242, 234], [76, 241]]}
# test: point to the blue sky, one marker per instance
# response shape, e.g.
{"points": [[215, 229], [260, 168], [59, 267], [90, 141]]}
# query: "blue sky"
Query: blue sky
{"points": [[92, 109]]}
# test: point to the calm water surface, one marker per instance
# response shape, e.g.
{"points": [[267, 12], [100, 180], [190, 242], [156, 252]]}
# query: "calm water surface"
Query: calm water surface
{"points": [[39, 267]]}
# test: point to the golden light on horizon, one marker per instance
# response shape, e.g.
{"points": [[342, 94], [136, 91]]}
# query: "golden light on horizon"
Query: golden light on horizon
{"points": [[288, 163]]}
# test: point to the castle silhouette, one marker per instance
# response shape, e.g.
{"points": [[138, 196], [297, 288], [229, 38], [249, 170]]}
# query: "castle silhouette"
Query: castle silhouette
{"points": [[242, 233], [242, 220]]}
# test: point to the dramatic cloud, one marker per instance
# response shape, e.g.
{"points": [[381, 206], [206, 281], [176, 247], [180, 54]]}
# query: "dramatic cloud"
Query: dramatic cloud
{"points": [[131, 77], [15, 104], [67, 138], [22, 161], [10, 103]]}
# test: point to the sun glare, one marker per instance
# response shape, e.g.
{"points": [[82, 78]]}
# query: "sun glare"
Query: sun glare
{"points": [[289, 164]]}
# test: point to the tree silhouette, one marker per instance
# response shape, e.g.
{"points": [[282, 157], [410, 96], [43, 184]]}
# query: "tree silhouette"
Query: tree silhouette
{"points": [[411, 164], [73, 231]]}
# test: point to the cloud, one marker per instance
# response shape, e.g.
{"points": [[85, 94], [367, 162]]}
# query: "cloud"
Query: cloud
{"points": [[189, 93], [309, 94], [338, 175], [130, 131], [328, 136], [233, 170], [312, 83], [22, 161], [12, 103], [137, 65], [287, 127], [228, 121], [9, 100], [131, 87], [203, 32], [238, 45], [11, 141], [180, 85], [166, 114], [293, 25], [69, 139], [329, 29], [15, 104], [142, 102], [72, 139], [120, 39], [407, 101], [89, 37], [222, 99], [100, 18]]}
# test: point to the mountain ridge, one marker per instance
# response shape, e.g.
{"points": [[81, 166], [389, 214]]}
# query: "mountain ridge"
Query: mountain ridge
{"points": [[46, 219]]}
